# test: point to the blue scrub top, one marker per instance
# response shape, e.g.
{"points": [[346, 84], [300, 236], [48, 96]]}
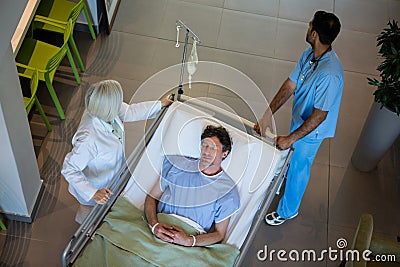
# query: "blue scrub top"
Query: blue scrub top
{"points": [[320, 88]]}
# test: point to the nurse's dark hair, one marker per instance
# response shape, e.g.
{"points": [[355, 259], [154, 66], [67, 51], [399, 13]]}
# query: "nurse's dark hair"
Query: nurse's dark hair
{"points": [[327, 25], [221, 133]]}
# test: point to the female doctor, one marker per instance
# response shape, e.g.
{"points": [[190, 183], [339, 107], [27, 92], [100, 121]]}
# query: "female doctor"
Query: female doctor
{"points": [[98, 144]]}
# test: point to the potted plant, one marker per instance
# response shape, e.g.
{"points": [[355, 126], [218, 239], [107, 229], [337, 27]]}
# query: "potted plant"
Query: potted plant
{"points": [[382, 126]]}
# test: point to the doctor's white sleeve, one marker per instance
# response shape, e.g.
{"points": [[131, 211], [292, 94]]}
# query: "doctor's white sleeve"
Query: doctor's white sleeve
{"points": [[75, 162], [139, 111]]}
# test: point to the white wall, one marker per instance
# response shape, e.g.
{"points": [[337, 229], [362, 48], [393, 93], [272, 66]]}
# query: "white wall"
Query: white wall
{"points": [[12, 199], [19, 175]]}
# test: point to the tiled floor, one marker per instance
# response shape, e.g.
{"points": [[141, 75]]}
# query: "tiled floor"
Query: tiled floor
{"points": [[263, 39]]}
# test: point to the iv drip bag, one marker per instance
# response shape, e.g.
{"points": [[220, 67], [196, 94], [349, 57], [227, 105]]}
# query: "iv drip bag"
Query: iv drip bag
{"points": [[192, 62]]}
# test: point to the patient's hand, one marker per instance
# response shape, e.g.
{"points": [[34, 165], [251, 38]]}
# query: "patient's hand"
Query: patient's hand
{"points": [[181, 238], [164, 232]]}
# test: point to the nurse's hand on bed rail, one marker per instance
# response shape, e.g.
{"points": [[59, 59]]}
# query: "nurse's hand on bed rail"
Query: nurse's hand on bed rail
{"points": [[164, 232], [102, 196], [165, 102]]}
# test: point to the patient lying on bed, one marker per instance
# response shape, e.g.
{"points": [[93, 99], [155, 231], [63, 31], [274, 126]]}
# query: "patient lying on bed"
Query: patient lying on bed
{"points": [[196, 189]]}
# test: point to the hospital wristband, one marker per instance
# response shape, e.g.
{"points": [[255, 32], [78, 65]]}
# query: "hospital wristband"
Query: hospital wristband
{"points": [[154, 227], [194, 240]]}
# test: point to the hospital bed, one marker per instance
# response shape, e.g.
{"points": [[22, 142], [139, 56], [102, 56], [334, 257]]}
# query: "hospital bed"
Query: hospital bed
{"points": [[257, 167]]}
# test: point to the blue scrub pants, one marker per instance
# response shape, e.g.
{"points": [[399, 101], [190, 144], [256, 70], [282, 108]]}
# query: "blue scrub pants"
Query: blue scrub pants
{"points": [[297, 176]]}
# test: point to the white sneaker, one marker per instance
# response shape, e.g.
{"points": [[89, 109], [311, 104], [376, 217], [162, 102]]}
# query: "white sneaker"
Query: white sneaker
{"points": [[274, 219]]}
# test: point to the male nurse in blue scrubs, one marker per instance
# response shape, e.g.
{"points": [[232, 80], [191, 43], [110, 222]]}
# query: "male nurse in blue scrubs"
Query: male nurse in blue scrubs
{"points": [[316, 84]]}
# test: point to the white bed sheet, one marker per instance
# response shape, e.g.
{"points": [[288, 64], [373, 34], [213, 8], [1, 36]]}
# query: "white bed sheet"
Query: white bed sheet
{"points": [[252, 163]]}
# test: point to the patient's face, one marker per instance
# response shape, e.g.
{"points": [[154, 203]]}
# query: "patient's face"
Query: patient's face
{"points": [[211, 152]]}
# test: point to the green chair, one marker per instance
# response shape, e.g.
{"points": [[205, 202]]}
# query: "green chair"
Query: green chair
{"points": [[60, 11], [46, 58], [33, 100], [365, 240], [2, 226]]}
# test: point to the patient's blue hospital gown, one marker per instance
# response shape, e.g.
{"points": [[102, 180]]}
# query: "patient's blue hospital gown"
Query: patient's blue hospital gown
{"points": [[190, 193]]}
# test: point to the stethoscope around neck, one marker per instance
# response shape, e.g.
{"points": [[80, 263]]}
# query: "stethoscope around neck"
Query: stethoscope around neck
{"points": [[313, 61]]}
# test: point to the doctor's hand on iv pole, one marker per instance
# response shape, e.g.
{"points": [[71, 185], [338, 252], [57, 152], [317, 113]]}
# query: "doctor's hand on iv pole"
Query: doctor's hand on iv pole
{"points": [[102, 196]]}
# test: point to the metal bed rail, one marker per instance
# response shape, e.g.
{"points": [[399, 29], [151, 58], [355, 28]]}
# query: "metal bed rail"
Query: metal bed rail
{"points": [[88, 228]]}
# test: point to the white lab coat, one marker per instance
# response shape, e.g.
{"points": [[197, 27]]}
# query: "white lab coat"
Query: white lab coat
{"points": [[97, 154]]}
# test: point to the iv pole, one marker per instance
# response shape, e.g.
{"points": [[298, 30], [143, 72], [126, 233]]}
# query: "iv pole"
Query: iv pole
{"points": [[190, 33]]}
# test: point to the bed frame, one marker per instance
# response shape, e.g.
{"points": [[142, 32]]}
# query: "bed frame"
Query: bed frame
{"points": [[88, 228]]}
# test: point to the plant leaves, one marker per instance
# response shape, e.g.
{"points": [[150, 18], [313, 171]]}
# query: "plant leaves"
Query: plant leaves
{"points": [[387, 91]]}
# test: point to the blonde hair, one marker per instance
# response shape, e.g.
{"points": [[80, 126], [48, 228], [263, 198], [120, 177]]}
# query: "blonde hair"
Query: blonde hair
{"points": [[104, 99]]}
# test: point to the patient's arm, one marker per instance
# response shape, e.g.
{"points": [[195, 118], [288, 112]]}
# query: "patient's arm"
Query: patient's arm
{"points": [[162, 231], [216, 236]]}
